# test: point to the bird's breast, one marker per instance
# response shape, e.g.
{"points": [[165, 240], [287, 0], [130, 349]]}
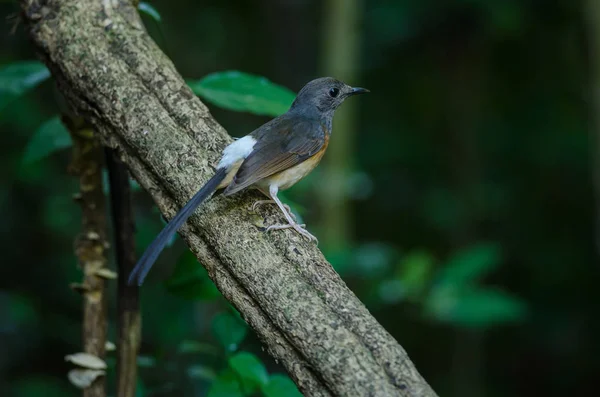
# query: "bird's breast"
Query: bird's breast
{"points": [[287, 178]]}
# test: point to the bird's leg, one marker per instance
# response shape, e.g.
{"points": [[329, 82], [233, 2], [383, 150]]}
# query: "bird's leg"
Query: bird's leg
{"points": [[291, 223], [261, 202]]}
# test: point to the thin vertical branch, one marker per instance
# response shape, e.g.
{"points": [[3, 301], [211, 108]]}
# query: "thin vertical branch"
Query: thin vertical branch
{"points": [[340, 60], [91, 244], [129, 323]]}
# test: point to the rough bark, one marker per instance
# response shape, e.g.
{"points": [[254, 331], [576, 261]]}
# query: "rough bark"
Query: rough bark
{"points": [[111, 72], [91, 244], [129, 322]]}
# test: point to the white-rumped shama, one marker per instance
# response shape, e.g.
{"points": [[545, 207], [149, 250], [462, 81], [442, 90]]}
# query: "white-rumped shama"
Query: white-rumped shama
{"points": [[271, 158]]}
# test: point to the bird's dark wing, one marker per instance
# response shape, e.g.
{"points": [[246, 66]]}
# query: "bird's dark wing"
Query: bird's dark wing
{"points": [[282, 145]]}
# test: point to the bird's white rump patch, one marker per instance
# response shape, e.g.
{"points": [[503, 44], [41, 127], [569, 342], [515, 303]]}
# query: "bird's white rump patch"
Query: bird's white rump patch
{"points": [[236, 151]]}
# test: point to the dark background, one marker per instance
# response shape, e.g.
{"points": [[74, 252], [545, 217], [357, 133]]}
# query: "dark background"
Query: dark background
{"points": [[466, 219]]}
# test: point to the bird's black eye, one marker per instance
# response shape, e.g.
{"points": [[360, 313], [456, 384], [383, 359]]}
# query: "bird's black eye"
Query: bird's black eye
{"points": [[334, 92]]}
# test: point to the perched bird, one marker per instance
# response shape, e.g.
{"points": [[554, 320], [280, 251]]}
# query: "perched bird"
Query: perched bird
{"points": [[271, 158]]}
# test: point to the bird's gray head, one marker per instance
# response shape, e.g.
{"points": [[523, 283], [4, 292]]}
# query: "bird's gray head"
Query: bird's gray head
{"points": [[320, 97]]}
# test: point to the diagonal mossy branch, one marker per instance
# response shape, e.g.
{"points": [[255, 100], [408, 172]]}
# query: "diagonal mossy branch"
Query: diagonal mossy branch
{"points": [[113, 74]]}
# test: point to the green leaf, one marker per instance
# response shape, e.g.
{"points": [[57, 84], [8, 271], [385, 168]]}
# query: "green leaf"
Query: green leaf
{"points": [[229, 330], [48, 138], [190, 280], [280, 386], [250, 371], [18, 78], [243, 92], [475, 307], [415, 273], [149, 10], [470, 264], [226, 385]]}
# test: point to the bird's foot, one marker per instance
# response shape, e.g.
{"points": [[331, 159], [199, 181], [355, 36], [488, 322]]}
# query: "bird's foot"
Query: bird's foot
{"points": [[261, 202], [297, 227]]}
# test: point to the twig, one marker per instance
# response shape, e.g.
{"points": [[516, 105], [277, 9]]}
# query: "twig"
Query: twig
{"points": [[129, 323], [91, 244]]}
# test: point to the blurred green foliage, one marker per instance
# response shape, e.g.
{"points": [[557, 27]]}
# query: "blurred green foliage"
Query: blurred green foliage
{"points": [[244, 92], [51, 136], [472, 198], [190, 280], [18, 78], [229, 331]]}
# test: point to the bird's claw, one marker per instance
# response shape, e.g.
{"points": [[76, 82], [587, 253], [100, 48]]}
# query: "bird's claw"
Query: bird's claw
{"points": [[300, 228], [297, 227]]}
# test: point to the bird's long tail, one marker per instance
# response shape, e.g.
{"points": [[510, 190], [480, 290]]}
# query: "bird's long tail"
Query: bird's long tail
{"points": [[145, 263]]}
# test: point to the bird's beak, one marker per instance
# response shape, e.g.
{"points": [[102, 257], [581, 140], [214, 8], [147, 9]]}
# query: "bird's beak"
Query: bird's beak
{"points": [[358, 90]]}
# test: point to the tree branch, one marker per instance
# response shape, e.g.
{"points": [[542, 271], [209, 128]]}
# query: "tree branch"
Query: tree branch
{"points": [[111, 72], [129, 323], [91, 244]]}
